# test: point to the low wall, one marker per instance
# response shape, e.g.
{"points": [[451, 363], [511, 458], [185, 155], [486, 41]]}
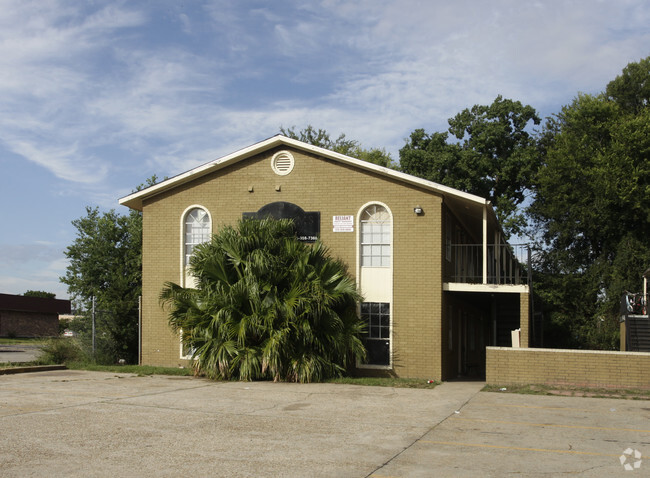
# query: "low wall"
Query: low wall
{"points": [[582, 368]]}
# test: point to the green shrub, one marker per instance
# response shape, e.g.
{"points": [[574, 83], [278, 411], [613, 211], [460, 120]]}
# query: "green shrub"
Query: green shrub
{"points": [[60, 351]]}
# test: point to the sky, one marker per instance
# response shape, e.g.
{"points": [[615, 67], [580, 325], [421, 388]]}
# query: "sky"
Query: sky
{"points": [[97, 96]]}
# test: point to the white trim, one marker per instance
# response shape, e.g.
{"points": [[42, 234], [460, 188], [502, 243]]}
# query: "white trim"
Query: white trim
{"points": [[180, 352], [183, 278], [462, 287], [282, 170], [187, 210], [134, 200], [390, 268]]}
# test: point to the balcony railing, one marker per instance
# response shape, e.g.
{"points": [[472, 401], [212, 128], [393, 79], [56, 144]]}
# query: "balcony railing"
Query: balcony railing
{"points": [[634, 304], [506, 264]]}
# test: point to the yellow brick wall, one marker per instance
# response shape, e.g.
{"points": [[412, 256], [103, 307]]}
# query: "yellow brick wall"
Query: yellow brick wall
{"points": [[524, 320], [583, 368], [315, 184]]}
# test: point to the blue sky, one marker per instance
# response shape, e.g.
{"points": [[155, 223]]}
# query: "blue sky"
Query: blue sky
{"points": [[98, 96]]}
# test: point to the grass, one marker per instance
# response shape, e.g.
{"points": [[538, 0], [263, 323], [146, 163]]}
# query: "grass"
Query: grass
{"points": [[570, 391], [146, 370]]}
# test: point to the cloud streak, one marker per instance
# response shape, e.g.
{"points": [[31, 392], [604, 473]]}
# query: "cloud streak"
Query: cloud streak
{"points": [[102, 95]]}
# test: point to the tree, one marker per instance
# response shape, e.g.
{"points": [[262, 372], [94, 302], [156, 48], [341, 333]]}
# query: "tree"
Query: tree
{"points": [[352, 148], [106, 263], [40, 293], [592, 201], [267, 306], [495, 156], [631, 89]]}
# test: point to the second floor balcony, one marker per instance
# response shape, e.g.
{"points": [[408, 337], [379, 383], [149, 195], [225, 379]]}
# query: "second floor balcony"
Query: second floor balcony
{"points": [[493, 264]]}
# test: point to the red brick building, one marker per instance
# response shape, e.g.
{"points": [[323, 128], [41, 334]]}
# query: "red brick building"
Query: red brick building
{"points": [[22, 316]]}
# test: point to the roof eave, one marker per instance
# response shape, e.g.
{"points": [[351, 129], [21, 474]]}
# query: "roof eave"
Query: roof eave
{"points": [[135, 200]]}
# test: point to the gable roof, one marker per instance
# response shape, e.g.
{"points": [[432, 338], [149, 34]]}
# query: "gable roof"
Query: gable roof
{"points": [[135, 200]]}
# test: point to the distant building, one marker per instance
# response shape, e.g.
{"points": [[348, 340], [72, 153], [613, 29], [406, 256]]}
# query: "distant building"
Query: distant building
{"points": [[22, 316], [439, 280]]}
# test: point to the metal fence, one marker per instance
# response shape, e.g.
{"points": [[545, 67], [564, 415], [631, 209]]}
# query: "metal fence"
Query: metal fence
{"points": [[506, 264]]}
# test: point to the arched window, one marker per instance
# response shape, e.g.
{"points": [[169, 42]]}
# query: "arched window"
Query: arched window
{"points": [[375, 236], [197, 230], [376, 282]]}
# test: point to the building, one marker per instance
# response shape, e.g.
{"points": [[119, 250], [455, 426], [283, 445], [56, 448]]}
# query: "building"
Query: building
{"points": [[438, 280], [22, 316]]}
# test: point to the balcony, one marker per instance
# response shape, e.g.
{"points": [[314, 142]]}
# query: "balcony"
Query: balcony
{"points": [[504, 264]]}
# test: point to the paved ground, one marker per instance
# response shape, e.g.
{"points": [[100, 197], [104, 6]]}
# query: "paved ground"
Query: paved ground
{"points": [[19, 353], [72, 423]]}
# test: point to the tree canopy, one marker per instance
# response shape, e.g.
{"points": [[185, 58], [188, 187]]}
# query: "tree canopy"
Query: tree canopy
{"points": [[349, 147], [494, 156], [40, 293], [267, 306], [591, 204], [106, 263]]}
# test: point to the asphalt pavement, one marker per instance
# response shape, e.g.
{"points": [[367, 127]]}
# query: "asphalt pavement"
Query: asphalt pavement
{"points": [[19, 353], [96, 424]]}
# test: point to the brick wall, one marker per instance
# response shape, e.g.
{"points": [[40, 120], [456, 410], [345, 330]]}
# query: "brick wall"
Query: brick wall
{"points": [[585, 368], [28, 324], [315, 184]]}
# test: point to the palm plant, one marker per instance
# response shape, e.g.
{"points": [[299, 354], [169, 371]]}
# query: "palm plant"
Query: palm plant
{"points": [[267, 306]]}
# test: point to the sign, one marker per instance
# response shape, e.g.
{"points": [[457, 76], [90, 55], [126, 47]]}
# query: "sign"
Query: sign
{"points": [[307, 223], [343, 223]]}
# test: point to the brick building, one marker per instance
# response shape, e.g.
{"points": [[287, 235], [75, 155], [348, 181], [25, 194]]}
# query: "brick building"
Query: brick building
{"points": [[438, 280], [22, 316]]}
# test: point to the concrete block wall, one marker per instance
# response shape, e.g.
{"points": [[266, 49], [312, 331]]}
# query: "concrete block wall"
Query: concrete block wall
{"points": [[582, 368]]}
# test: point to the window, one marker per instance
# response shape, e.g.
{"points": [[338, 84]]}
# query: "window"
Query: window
{"points": [[197, 230], [375, 237], [377, 337]]}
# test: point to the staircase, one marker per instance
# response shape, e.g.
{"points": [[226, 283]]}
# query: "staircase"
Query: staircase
{"points": [[638, 333]]}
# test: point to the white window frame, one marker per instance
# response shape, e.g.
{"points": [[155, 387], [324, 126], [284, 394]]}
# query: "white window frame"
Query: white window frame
{"points": [[184, 280], [380, 338], [382, 245], [370, 291]]}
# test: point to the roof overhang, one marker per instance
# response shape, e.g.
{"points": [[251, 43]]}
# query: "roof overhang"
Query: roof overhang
{"points": [[472, 203]]}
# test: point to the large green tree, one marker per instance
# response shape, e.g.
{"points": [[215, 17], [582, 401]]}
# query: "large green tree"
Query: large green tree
{"points": [[592, 203], [267, 306], [493, 154], [105, 263], [320, 137]]}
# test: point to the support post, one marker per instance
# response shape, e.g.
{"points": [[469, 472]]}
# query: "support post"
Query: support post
{"points": [[485, 244]]}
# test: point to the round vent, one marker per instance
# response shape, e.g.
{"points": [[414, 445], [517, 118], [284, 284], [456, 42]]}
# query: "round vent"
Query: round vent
{"points": [[282, 163]]}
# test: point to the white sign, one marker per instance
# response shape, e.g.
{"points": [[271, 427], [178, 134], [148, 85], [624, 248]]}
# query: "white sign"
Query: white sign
{"points": [[343, 223]]}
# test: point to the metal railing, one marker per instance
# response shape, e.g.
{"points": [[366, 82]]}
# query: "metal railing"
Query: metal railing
{"points": [[634, 304], [506, 264]]}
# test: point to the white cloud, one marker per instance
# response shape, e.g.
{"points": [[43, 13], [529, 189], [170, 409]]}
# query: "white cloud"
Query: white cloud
{"points": [[34, 266], [67, 162]]}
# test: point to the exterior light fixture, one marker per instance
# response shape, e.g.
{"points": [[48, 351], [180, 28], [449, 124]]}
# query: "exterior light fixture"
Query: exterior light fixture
{"points": [[418, 210]]}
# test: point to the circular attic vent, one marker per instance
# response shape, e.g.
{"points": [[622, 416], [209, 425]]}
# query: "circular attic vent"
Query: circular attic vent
{"points": [[282, 163]]}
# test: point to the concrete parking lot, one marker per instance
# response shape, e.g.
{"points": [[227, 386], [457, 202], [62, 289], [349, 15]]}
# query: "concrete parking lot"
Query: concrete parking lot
{"points": [[74, 423], [19, 353]]}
